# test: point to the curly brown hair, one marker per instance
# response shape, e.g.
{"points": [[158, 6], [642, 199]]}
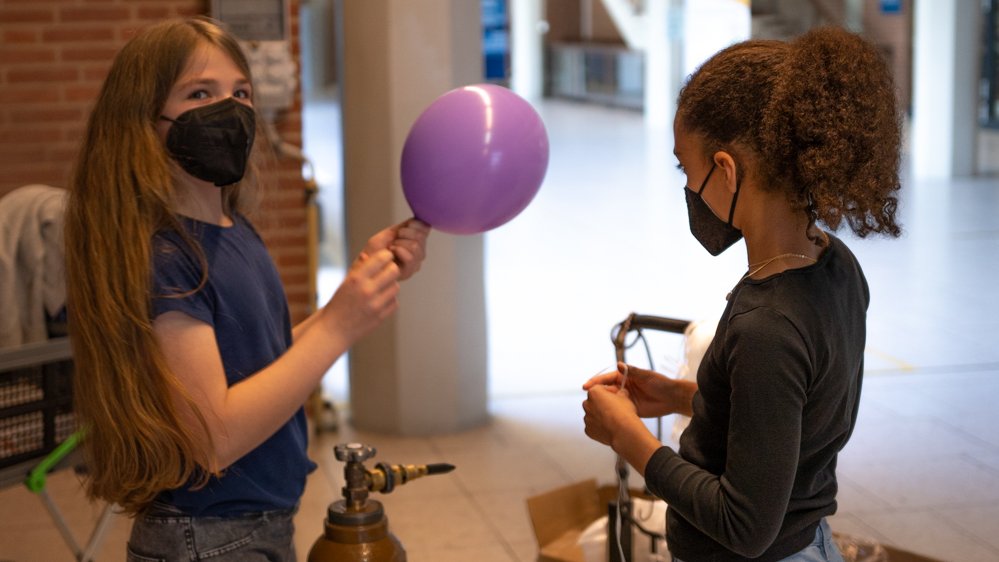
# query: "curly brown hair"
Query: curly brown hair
{"points": [[819, 116]]}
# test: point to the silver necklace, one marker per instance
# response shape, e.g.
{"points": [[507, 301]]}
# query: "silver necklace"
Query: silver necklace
{"points": [[757, 267]]}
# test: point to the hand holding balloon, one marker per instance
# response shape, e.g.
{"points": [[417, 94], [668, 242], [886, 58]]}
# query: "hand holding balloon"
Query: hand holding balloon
{"points": [[474, 159]]}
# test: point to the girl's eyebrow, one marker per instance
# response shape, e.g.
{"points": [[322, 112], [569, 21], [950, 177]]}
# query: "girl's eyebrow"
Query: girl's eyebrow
{"points": [[209, 82], [197, 82]]}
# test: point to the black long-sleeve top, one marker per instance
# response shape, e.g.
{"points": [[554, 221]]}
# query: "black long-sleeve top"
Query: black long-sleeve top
{"points": [[778, 391]]}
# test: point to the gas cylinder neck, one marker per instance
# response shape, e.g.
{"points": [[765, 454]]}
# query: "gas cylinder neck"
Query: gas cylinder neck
{"points": [[355, 491]]}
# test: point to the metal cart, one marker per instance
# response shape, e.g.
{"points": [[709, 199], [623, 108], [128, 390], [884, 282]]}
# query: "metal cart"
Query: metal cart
{"points": [[620, 514], [38, 431]]}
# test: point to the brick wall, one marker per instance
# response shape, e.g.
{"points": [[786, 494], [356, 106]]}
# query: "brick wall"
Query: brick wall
{"points": [[54, 55]]}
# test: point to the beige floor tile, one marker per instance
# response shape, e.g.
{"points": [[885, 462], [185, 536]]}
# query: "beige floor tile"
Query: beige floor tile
{"points": [[487, 553], [510, 469], [29, 533], [928, 533], [854, 498], [312, 511], [507, 513], [909, 440], [944, 482], [849, 525], [979, 521], [526, 551], [442, 523]]}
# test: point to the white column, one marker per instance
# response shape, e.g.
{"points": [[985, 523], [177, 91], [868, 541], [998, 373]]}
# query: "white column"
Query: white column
{"points": [[424, 371], [946, 64], [661, 62], [526, 48]]}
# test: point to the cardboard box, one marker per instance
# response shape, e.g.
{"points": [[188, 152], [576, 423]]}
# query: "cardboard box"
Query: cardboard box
{"points": [[559, 516]]}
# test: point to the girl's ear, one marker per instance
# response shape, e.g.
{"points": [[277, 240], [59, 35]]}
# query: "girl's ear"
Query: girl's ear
{"points": [[729, 168]]}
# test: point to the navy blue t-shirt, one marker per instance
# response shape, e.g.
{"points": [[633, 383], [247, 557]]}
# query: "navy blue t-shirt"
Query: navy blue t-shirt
{"points": [[244, 301]]}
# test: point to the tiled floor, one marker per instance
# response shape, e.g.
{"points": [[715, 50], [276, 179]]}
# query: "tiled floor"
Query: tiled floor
{"points": [[607, 235]]}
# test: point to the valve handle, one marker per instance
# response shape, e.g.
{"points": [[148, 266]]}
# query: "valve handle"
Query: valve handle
{"points": [[353, 452]]}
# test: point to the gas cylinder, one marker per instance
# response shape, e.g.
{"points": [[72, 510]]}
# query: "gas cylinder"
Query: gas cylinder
{"points": [[356, 528]]}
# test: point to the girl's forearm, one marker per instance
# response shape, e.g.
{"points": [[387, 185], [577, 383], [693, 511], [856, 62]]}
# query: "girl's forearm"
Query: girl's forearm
{"points": [[257, 407], [636, 444]]}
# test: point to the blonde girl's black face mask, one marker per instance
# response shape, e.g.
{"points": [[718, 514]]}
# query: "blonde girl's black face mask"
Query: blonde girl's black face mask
{"points": [[213, 142], [713, 233]]}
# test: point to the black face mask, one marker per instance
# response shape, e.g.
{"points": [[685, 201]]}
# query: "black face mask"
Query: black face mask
{"points": [[213, 142], [714, 234]]}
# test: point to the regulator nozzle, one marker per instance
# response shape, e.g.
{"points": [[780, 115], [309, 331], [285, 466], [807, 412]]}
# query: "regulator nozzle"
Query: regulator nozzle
{"points": [[383, 478]]}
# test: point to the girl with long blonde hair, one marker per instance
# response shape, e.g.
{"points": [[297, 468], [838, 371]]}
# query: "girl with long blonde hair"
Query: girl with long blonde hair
{"points": [[190, 379]]}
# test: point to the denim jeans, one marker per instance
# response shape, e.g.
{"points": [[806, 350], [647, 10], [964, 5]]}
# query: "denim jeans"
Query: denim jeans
{"points": [[165, 535], [822, 549]]}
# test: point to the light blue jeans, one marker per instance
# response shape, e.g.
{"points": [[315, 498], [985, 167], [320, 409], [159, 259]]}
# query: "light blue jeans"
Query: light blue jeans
{"points": [[165, 535], [822, 549]]}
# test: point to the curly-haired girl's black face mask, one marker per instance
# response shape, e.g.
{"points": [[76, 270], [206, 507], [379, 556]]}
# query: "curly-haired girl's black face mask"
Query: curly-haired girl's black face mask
{"points": [[713, 233], [213, 142]]}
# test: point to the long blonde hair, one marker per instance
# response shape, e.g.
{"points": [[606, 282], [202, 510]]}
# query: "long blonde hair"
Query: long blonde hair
{"points": [[122, 193]]}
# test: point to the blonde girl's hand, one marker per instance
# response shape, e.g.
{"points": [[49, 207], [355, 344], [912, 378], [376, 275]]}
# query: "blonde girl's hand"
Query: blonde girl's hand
{"points": [[407, 242], [366, 297], [410, 246]]}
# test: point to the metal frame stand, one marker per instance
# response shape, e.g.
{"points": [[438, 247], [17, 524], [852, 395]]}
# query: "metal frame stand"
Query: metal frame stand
{"points": [[35, 482]]}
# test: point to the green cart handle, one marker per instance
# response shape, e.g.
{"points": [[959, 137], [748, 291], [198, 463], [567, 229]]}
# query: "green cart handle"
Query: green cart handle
{"points": [[36, 478]]}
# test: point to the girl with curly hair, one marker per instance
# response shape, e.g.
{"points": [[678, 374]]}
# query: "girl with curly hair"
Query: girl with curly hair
{"points": [[776, 138]]}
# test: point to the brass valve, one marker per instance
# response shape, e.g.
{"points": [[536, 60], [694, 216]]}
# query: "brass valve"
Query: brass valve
{"points": [[356, 528], [385, 477]]}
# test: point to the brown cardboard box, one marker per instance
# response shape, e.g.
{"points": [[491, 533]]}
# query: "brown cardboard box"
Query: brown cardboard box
{"points": [[560, 515]]}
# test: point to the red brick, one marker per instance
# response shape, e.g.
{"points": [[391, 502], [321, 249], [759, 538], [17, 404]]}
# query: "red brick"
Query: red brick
{"points": [[45, 114], [189, 11], [64, 152], [90, 53], [296, 284], [82, 92], [37, 173], [16, 36], [291, 202], [30, 135], [153, 12], [77, 34], [17, 155], [296, 260], [26, 15], [74, 131], [93, 13], [42, 74], [286, 239], [28, 95], [96, 73], [295, 278], [26, 56]]}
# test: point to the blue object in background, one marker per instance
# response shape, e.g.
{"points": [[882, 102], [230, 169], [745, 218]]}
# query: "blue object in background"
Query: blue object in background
{"points": [[891, 6], [495, 40]]}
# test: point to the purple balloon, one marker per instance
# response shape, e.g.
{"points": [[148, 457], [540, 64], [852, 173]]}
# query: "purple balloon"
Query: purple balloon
{"points": [[474, 159]]}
